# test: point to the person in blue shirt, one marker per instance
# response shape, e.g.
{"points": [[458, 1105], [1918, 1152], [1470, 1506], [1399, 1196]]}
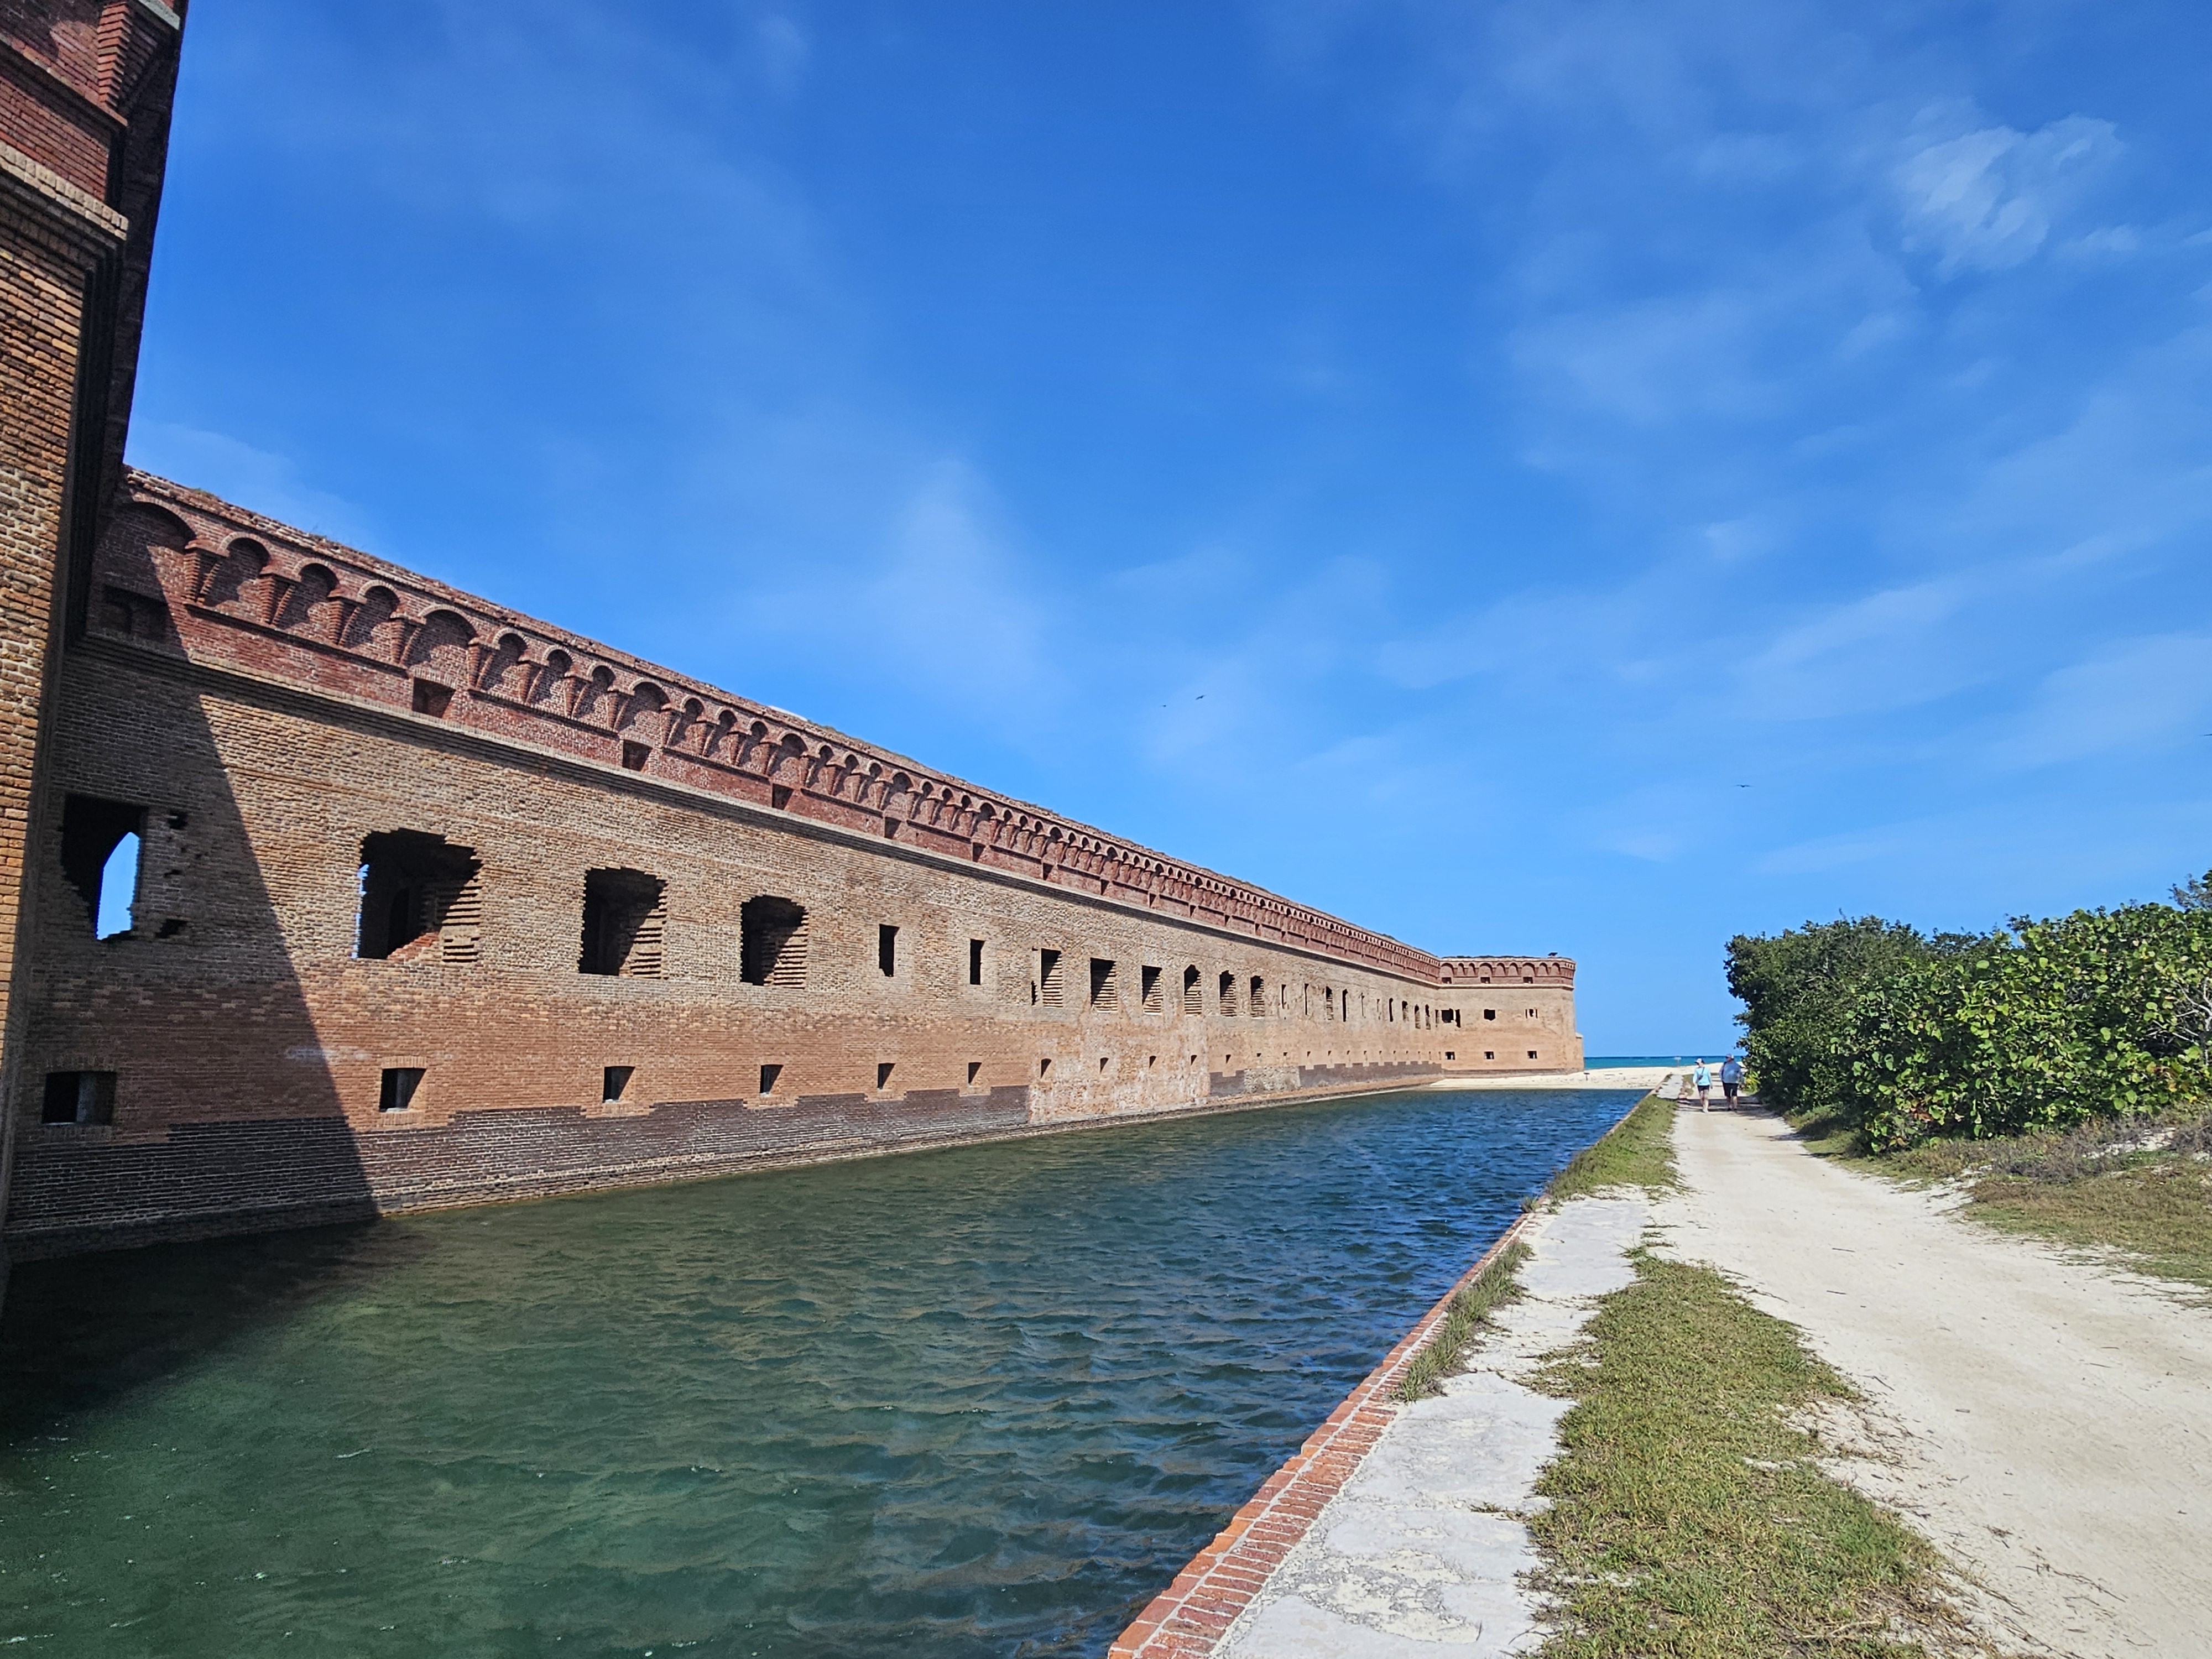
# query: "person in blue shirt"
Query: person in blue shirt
{"points": [[1703, 1079], [1731, 1078]]}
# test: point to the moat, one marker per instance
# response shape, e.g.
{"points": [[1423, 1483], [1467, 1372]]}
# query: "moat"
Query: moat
{"points": [[983, 1401]]}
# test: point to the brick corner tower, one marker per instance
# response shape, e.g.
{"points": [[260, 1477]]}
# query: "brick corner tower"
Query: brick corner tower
{"points": [[85, 93]]}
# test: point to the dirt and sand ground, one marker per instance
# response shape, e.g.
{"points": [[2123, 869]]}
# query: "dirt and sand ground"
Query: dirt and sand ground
{"points": [[2046, 1421]]}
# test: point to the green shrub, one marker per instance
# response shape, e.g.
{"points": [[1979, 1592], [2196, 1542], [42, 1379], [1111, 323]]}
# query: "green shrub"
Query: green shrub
{"points": [[2042, 1025], [1798, 989], [2100, 1013]]}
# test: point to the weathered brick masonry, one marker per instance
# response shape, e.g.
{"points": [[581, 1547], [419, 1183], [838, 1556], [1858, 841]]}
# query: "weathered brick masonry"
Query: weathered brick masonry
{"points": [[648, 929], [85, 88], [434, 904]]}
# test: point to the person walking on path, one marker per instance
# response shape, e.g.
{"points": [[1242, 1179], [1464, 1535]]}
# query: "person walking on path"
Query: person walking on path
{"points": [[1731, 1078], [1702, 1078]]}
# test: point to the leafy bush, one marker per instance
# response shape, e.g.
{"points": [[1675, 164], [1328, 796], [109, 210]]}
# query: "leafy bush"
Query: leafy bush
{"points": [[2099, 1014], [1797, 989], [2041, 1025]]}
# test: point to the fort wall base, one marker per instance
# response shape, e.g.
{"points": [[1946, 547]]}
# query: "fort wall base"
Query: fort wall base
{"points": [[186, 1188]]}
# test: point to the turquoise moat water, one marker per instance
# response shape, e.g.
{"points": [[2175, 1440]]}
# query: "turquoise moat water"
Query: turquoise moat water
{"points": [[983, 1401]]}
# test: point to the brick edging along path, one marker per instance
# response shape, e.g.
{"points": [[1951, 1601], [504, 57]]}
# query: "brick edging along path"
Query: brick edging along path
{"points": [[1186, 1618], [1191, 1616]]}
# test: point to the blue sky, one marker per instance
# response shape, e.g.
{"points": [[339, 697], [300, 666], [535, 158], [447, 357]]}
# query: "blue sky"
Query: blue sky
{"points": [[1422, 457]]}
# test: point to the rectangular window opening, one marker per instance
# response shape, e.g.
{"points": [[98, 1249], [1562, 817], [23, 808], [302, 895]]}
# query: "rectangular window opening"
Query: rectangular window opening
{"points": [[396, 1093], [419, 896], [1449, 1055], [975, 962], [1190, 993], [1044, 1070], [975, 1070], [1227, 990], [432, 698], [1259, 1000], [79, 1098], [1149, 988], [1048, 983], [625, 920], [1532, 1054], [768, 1076], [135, 615], [772, 942], [887, 950], [1103, 1061], [612, 1081], [1105, 983], [634, 755], [884, 1070], [1490, 1014]]}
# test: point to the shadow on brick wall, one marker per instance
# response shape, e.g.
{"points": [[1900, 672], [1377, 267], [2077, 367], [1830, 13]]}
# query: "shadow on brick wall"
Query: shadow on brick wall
{"points": [[188, 1033]]}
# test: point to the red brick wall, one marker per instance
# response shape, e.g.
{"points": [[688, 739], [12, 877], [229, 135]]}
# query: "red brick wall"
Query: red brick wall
{"points": [[253, 690], [85, 88]]}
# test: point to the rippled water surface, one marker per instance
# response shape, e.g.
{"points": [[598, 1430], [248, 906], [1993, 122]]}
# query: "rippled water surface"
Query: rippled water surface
{"points": [[984, 1401]]}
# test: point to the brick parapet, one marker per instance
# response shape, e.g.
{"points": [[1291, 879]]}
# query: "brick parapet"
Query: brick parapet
{"points": [[252, 591], [1461, 972]]}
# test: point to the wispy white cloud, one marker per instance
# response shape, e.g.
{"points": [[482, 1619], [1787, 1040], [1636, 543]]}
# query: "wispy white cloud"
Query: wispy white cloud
{"points": [[2135, 696], [1988, 199]]}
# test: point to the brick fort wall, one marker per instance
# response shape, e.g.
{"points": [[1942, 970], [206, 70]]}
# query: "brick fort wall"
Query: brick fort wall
{"points": [[604, 924]]}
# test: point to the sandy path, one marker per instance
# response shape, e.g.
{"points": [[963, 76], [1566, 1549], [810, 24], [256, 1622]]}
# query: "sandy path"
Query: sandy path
{"points": [[2049, 1424]]}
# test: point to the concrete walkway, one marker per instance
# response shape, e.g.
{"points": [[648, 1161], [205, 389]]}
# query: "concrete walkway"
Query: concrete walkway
{"points": [[1643, 1079], [1420, 1555], [2047, 1423]]}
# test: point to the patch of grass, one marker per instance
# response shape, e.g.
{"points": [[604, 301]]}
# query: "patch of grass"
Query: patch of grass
{"points": [[1687, 1520], [1492, 1288], [1639, 1151], [2142, 1186], [1826, 1136]]}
